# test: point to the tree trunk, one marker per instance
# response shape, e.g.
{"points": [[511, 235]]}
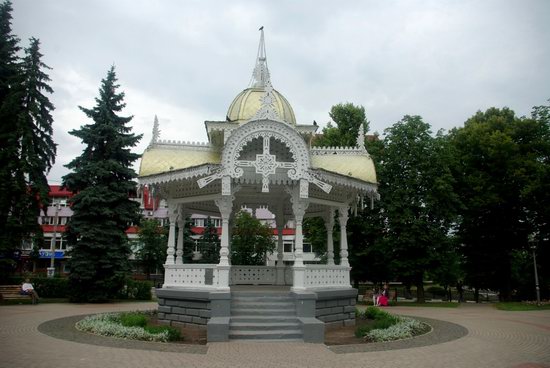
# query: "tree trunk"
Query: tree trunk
{"points": [[476, 294], [420, 292]]}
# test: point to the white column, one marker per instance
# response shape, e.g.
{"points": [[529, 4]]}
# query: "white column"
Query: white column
{"points": [[172, 216], [299, 206], [181, 227], [329, 225], [225, 205], [280, 249], [343, 219]]}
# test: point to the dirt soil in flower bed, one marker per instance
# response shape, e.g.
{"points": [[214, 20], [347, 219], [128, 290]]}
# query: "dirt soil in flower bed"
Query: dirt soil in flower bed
{"points": [[190, 335], [346, 335]]}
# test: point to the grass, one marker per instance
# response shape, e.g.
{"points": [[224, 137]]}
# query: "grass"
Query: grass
{"points": [[429, 304], [520, 306]]}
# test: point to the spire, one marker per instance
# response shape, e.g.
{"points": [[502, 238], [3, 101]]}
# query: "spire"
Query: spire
{"points": [[156, 131], [260, 75], [361, 137]]}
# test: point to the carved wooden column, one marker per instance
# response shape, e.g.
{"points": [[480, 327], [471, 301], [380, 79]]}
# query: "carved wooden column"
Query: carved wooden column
{"points": [[225, 205], [280, 221], [172, 217], [181, 227], [329, 225], [299, 207], [343, 219]]}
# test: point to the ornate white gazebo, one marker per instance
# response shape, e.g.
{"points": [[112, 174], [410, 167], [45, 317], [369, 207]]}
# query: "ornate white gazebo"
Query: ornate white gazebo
{"points": [[257, 157]]}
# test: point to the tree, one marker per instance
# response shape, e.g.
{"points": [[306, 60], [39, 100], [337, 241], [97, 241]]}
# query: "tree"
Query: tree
{"points": [[27, 149], [151, 251], [348, 119], [251, 241], [502, 172], [210, 243], [418, 200], [102, 179]]}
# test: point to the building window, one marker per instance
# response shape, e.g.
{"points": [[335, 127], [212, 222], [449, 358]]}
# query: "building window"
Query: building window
{"points": [[288, 246], [199, 222], [307, 247], [61, 201]]}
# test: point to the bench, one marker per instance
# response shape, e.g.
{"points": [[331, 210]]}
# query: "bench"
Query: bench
{"points": [[12, 292]]}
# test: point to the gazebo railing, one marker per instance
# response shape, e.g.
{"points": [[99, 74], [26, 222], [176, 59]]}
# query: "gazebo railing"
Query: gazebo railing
{"points": [[191, 275], [207, 276], [320, 276]]}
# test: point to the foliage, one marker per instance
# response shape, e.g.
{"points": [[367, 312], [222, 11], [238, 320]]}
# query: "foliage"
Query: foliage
{"points": [[109, 324], [387, 327], [151, 249], [133, 319], [188, 241], [210, 243], [418, 200], [251, 241], [501, 168], [405, 328], [348, 119], [51, 287], [135, 289], [102, 178], [28, 150]]}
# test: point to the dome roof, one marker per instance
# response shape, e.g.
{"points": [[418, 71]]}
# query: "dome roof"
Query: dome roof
{"points": [[248, 102]]}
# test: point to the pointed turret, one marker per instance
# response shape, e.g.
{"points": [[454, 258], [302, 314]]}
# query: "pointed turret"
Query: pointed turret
{"points": [[156, 131], [260, 75]]}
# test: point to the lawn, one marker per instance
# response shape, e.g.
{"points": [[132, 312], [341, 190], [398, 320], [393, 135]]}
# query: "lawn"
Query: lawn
{"points": [[521, 306], [428, 304]]}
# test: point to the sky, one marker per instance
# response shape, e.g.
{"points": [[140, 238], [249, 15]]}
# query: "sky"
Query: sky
{"points": [[185, 61]]}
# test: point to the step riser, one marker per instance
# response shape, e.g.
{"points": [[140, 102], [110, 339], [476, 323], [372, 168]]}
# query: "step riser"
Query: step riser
{"points": [[261, 336], [263, 312], [253, 327], [236, 306], [269, 319], [263, 317]]}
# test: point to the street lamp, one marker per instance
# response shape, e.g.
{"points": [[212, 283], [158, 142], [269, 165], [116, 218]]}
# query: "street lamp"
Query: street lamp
{"points": [[534, 248], [51, 269]]}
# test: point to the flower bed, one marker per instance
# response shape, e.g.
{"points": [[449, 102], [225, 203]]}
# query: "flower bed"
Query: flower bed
{"points": [[132, 326], [387, 327]]}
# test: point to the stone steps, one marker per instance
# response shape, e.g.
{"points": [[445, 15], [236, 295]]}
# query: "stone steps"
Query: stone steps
{"points": [[263, 317]]}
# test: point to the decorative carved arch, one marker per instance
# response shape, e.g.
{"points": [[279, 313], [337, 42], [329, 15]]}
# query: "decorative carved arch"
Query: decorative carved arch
{"points": [[266, 129]]}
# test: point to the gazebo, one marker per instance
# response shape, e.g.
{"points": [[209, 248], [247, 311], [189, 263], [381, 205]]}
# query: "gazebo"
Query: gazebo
{"points": [[258, 156]]}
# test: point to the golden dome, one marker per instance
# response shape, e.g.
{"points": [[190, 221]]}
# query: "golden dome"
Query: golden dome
{"points": [[248, 102]]}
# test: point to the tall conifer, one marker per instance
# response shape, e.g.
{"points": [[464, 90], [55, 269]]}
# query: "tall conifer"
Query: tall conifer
{"points": [[102, 178]]}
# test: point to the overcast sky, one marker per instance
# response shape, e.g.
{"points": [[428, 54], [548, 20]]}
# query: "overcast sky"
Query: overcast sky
{"points": [[185, 61]]}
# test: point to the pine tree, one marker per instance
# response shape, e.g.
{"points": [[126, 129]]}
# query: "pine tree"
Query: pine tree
{"points": [[12, 182], [102, 178], [210, 243], [27, 148]]}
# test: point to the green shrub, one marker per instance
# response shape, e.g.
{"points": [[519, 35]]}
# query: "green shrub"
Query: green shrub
{"points": [[136, 289], [51, 287], [361, 331], [133, 320], [372, 312], [173, 333], [436, 291]]}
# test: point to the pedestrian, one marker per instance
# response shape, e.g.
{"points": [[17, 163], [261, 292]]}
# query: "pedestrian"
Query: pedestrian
{"points": [[28, 289]]}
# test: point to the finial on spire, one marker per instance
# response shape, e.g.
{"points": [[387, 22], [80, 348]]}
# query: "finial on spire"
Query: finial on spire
{"points": [[260, 75], [156, 131], [361, 137]]}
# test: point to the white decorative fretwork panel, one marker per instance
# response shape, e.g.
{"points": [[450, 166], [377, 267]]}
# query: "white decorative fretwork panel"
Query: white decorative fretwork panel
{"points": [[326, 276], [253, 275]]}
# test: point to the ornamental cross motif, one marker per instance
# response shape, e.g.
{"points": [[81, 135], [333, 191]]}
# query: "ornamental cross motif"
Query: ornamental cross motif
{"points": [[265, 164]]}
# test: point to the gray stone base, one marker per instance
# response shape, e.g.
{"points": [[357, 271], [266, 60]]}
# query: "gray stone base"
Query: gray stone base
{"points": [[203, 309], [211, 310], [336, 307]]}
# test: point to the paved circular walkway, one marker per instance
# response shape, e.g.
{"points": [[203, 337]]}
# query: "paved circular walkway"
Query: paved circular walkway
{"points": [[494, 339]]}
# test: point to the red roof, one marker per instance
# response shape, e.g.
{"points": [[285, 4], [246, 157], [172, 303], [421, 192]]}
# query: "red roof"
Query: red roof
{"points": [[56, 191]]}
